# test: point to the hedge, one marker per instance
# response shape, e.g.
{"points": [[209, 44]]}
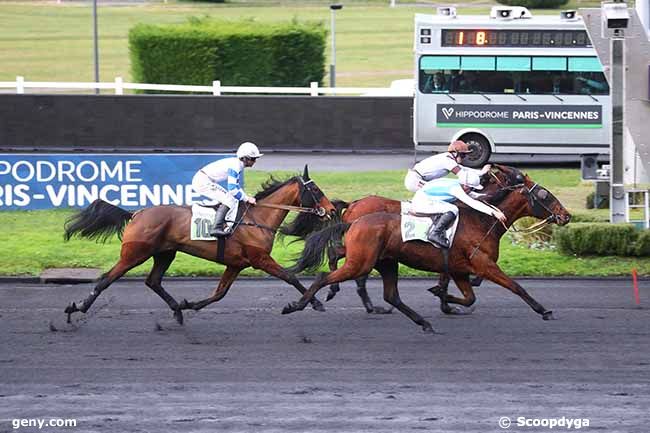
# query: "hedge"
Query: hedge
{"points": [[243, 53], [535, 4], [603, 239]]}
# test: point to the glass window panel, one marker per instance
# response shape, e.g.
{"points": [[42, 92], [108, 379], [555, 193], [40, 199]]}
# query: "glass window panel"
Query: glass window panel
{"points": [[475, 63], [549, 63], [585, 64], [440, 62], [513, 63]]}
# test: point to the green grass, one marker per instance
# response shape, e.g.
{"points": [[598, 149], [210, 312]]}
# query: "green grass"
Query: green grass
{"points": [[53, 42], [33, 240]]}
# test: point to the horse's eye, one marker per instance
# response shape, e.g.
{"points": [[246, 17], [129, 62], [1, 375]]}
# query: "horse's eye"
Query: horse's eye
{"points": [[542, 194], [520, 178]]}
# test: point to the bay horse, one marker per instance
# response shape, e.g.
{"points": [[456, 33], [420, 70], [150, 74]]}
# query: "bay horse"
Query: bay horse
{"points": [[375, 241], [161, 231], [349, 212]]}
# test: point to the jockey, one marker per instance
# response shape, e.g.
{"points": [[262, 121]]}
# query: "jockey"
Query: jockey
{"points": [[206, 182], [435, 197], [440, 165]]}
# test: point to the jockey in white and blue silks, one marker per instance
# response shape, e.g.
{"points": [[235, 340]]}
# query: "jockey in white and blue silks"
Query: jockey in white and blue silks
{"points": [[433, 192], [207, 183], [435, 198]]}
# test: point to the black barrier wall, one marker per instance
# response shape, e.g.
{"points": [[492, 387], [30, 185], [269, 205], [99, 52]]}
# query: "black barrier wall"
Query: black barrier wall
{"points": [[138, 123]]}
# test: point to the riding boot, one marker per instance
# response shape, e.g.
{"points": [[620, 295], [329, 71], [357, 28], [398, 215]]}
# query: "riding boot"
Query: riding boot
{"points": [[219, 228], [437, 233]]}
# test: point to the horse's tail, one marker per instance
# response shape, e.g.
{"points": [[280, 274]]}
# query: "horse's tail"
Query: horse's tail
{"points": [[313, 255], [99, 221], [340, 206]]}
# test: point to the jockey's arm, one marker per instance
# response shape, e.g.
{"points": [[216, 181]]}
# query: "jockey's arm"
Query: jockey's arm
{"points": [[235, 189], [475, 204]]}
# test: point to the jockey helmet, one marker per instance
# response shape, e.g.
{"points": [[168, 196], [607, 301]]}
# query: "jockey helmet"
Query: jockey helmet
{"points": [[248, 150], [459, 146]]}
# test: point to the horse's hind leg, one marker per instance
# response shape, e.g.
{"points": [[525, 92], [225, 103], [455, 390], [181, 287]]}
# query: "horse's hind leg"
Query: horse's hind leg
{"points": [[388, 270], [468, 299], [228, 277], [161, 263], [365, 299], [130, 257], [334, 254]]}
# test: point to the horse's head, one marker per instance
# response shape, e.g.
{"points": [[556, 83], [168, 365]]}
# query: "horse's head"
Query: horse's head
{"points": [[311, 196], [539, 202]]}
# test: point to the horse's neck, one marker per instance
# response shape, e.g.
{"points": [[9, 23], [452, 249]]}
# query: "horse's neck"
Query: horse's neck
{"points": [[274, 217], [514, 206]]}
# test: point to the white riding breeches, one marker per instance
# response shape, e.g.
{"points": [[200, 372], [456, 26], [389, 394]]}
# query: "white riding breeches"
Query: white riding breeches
{"points": [[203, 185], [424, 203]]}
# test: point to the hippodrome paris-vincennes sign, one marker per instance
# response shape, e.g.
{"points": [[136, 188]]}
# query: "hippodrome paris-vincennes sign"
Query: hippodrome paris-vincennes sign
{"points": [[519, 116]]}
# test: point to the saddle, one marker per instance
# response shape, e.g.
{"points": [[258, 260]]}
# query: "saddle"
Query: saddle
{"points": [[203, 216], [415, 226]]}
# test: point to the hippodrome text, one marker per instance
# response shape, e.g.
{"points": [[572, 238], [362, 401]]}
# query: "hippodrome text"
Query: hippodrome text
{"points": [[40, 182]]}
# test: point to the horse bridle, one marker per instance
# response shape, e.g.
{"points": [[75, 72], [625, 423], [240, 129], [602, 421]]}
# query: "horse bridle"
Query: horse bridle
{"points": [[314, 196], [535, 201]]}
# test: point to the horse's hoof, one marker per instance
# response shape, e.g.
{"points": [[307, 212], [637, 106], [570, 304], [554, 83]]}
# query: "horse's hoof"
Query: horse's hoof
{"points": [[184, 305], [548, 315], [317, 305], [428, 329], [330, 296], [178, 315], [289, 308], [71, 308], [437, 291], [381, 310]]}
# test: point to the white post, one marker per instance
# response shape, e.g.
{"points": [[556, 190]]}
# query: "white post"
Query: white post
{"points": [[314, 88], [20, 84], [216, 88], [392, 3], [119, 86]]}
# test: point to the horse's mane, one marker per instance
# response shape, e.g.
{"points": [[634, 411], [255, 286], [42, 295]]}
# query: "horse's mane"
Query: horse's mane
{"points": [[271, 185]]}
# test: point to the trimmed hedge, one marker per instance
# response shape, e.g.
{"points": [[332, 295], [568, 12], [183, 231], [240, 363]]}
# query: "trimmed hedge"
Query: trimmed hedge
{"points": [[236, 53], [535, 4], [603, 239]]}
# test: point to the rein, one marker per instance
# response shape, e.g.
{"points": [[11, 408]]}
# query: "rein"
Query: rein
{"points": [[529, 230], [320, 212]]}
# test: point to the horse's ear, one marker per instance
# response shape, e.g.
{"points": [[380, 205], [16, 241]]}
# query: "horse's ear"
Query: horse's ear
{"points": [[305, 175]]}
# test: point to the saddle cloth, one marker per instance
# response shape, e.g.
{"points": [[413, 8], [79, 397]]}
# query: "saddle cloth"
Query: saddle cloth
{"points": [[203, 221], [416, 228]]}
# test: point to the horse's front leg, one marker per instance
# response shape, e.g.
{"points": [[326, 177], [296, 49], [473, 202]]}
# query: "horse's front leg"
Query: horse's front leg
{"points": [[262, 260], [228, 277], [485, 267]]}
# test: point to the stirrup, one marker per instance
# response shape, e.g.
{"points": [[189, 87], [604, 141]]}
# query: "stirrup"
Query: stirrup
{"points": [[219, 232]]}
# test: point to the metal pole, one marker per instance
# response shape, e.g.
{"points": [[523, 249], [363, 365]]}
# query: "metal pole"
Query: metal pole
{"points": [[617, 80], [333, 59], [96, 45]]}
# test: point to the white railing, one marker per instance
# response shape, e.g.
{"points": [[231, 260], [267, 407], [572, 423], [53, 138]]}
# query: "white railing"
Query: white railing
{"points": [[118, 86]]}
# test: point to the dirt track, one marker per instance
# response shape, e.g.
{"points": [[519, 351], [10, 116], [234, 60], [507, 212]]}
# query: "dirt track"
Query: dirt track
{"points": [[240, 366]]}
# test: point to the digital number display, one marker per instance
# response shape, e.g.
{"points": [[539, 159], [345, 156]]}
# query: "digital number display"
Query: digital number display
{"points": [[515, 38]]}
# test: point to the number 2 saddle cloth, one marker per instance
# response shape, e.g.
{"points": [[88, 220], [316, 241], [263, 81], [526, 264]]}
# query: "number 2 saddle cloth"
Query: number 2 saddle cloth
{"points": [[416, 227]]}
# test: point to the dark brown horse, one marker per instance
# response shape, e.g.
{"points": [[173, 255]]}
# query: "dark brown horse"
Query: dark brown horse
{"points": [[375, 241], [161, 231]]}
